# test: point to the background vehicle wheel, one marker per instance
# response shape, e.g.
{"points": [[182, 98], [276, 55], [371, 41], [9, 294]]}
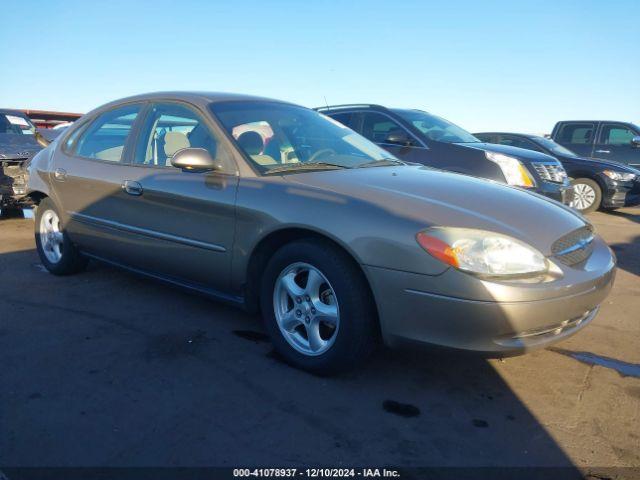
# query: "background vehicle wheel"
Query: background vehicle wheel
{"points": [[317, 307], [57, 253], [587, 195]]}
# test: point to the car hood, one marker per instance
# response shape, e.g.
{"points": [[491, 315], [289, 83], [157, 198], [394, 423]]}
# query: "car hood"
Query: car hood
{"points": [[18, 146], [429, 197], [604, 164], [520, 153]]}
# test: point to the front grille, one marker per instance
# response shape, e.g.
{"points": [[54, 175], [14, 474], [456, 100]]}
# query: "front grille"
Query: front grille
{"points": [[575, 246], [549, 171]]}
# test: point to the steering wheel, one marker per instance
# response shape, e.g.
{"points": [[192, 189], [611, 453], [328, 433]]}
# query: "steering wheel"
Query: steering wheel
{"points": [[320, 153]]}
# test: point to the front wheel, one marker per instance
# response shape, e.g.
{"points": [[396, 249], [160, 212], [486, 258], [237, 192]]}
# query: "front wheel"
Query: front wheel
{"points": [[57, 253], [587, 195], [317, 307]]}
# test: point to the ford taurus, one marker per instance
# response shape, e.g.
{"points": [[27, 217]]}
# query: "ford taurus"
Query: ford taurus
{"points": [[279, 209]]}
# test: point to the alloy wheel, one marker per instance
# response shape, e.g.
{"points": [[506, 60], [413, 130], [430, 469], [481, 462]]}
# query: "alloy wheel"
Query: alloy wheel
{"points": [[51, 237], [584, 196], [306, 309]]}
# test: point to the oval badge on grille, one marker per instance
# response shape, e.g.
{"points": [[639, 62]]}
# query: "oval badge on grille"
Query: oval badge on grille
{"points": [[575, 246]]}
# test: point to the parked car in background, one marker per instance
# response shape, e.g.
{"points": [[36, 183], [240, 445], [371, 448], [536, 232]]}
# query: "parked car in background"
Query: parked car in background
{"points": [[599, 139], [277, 208], [596, 183], [17, 145], [420, 137]]}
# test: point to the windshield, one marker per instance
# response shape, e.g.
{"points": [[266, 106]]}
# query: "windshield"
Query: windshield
{"points": [[553, 146], [13, 124], [279, 137], [436, 128]]}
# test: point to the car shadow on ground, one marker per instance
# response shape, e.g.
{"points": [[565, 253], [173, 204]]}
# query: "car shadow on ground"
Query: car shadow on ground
{"points": [[105, 368], [626, 214], [628, 255]]}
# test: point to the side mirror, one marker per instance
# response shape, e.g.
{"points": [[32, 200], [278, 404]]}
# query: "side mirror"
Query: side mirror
{"points": [[194, 160], [43, 142], [399, 138], [635, 141]]}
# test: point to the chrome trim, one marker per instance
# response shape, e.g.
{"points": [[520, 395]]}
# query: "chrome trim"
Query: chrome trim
{"points": [[580, 244], [88, 219]]}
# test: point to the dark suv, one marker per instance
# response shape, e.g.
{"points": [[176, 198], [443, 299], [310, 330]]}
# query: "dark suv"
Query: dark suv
{"points": [[419, 137]]}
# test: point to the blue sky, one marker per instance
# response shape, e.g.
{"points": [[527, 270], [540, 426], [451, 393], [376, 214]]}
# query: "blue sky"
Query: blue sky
{"points": [[509, 65]]}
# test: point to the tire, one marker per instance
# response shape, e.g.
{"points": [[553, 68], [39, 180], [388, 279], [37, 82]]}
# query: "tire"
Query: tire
{"points": [[349, 336], [57, 253], [587, 195]]}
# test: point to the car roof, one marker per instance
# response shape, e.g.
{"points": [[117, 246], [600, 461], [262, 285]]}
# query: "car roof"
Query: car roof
{"points": [[194, 97], [351, 106], [527, 135]]}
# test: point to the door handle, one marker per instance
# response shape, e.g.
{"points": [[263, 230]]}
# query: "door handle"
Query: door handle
{"points": [[132, 188], [60, 174], [603, 151]]}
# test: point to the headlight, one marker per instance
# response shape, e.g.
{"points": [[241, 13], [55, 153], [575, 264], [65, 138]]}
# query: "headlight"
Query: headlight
{"points": [[482, 252], [621, 177], [514, 172]]}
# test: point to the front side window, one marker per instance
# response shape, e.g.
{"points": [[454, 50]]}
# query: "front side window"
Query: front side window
{"points": [[436, 128], [12, 124], [346, 118], [616, 134], [171, 127], [378, 127], [106, 137], [577, 133], [279, 137]]}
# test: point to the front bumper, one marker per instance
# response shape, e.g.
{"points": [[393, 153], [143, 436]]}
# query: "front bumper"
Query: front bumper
{"points": [[13, 181], [621, 194], [462, 311], [560, 192]]}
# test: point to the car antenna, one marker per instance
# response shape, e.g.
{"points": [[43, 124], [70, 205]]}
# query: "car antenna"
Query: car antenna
{"points": [[325, 102]]}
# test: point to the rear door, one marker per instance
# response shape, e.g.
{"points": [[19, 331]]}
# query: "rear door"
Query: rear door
{"points": [[577, 137], [88, 172], [614, 143], [179, 224]]}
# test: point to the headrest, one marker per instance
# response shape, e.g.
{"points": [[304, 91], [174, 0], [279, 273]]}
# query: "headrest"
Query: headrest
{"points": [[174, 141], [251, 142]]}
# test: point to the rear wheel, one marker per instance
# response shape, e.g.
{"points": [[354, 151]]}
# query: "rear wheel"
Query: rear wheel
{"points": [[57, 253], [587, 195], [317, 307]]}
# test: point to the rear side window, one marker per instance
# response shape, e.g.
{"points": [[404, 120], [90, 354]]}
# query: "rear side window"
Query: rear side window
{"points": [[106, 137], [486, 137], [518, 142], [347, 119], [577, 133], [616, 134]]}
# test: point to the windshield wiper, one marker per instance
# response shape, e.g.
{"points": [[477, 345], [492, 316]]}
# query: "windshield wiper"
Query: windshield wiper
{"points": [[381, 163], [305, 166]]}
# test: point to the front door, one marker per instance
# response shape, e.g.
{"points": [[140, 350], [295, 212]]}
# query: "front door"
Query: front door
{"points": [[614, 143], [181, 224]]}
